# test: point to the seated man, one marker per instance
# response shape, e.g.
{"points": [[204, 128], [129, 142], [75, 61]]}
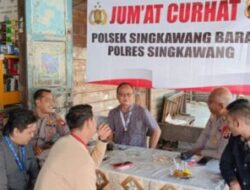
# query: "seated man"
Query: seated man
{"points": [[18, 165], [212, 142], [50, 125], [235, 160], [69, 164], [130, 123]]}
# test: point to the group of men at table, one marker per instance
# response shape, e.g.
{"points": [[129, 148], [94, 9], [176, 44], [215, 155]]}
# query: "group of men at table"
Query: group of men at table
{"points": [[29, 134]]}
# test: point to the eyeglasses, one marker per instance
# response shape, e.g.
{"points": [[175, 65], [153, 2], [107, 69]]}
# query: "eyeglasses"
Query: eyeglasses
{"points": [[125, 94]]}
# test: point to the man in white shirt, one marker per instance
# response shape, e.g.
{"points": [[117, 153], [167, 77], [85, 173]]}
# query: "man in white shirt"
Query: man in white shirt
{"points": [[69, 164]]}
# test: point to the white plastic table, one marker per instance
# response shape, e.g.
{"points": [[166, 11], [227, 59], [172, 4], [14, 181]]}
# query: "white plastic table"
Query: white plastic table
{"points": [[151, 171]]}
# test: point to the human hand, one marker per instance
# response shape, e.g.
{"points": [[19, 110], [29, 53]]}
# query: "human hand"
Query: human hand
{"points": [[37, 150], [60, 122], [226, 132], [104, 131], [46, 145], [197, 151], [234, 185]]}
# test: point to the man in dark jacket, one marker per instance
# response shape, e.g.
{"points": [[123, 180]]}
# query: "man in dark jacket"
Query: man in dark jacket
{"points": [[235, 160], [18, 165]]}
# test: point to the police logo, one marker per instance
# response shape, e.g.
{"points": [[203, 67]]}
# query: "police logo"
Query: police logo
{"points": [[98, 16], [247, 10]]}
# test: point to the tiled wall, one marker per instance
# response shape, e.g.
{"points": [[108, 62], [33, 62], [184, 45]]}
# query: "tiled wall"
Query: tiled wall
{"points": [[101, 97]]}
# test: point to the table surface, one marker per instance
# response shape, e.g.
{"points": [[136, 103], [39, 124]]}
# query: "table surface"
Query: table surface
{"points": [[157, 165]]}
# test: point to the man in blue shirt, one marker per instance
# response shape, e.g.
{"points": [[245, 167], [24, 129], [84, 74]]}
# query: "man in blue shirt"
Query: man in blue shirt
{"points": [[18, 165], [131, 123], [235, 160]]}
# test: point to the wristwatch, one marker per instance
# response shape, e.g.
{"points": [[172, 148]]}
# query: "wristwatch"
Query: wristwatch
{"points": [[104, 141]]}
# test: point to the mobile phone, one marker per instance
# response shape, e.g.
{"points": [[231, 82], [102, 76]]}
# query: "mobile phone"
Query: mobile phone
{"points": [[203, 161], [186, 155]]}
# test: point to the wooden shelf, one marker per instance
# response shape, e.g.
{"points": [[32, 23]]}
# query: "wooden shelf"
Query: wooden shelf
{"points": [[11, 57], [11, 98], [7, 97]]}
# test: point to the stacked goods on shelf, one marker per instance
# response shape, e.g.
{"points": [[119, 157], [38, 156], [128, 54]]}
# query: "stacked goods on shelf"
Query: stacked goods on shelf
{"points": [[9, 37], [11, 75], [9, 64], [9, 80], [8, 47]]}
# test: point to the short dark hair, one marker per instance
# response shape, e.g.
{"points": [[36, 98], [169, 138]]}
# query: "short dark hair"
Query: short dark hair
{"points": [[123, 84], [19, 118], [78, 114], [39, 93], [240, 107]]}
